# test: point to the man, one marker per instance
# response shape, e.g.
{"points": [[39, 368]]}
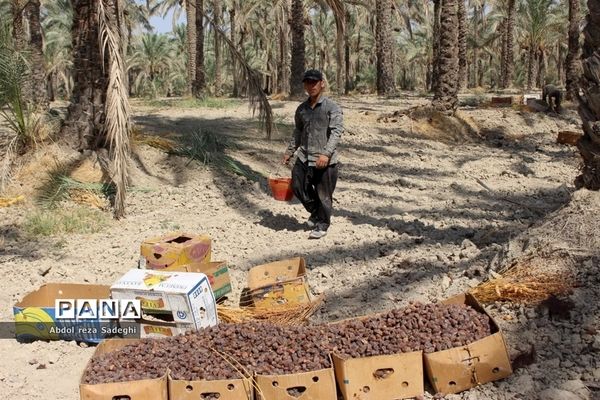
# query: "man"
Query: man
{"points": [[319, 126], [552, 96]]}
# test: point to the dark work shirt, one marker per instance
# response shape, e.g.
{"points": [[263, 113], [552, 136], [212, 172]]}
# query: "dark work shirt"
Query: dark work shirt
{"points": [[317, 131]]}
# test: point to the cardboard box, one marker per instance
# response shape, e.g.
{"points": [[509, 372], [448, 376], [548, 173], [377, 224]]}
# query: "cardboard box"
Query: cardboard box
{"points": [[35, 315], [148, 389], [280, 282], [388, 377], [186, 296], [232, 389], [154, 328], [461, 368], [173, 249], [216, 271], [317, 385]]}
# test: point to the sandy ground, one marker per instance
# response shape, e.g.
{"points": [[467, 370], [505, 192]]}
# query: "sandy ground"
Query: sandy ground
{"points": [[418, 216]]}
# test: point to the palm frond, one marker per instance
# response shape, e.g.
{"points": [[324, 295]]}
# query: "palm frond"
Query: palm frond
{"points": [[209, 148], [117, 126], [256, 96]]}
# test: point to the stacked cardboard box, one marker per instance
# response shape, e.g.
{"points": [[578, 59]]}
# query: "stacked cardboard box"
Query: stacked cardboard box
{"points": [[185, 252], [185, 296]]}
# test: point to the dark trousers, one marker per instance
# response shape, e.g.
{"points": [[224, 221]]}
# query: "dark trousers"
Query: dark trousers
{"points": [[314, 188]]}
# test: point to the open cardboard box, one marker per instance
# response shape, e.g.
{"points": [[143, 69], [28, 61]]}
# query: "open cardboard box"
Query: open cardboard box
{"points": [[231, 389], [278, 283], [173, 249], [387, 377], [35, 315], [461, 368], [315, 385], [147, 389], [186, 296], [216, 271]]}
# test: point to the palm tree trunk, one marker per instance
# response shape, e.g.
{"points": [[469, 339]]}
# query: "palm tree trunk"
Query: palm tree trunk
{"points": [[283, 76], [232, 37], [502, 28], [17, 8], [199, 86], [339, 55], [50, 87], [347, 64], [508, 50], [436, 44], [218, 17], [541, 75], [313, 35], [462, 44], [298, 61], [36, 56], [190, 15], [559, 65], [530, 67], [589, 105], [85, 114], [475, 62], [20, 39], [384, 48], [446, 95], [572, 62]]}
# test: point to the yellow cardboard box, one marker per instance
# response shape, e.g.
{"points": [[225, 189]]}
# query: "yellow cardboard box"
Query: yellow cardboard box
{"points": [[278, 283], [216, 271], [174, 249]]}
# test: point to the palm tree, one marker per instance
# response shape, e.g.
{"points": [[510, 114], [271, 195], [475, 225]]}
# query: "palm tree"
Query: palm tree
{"points": [[508, 50], [462, 44], [384, 48], [446, 94], [98, 116], [218, 16], [572, 62], [283, 63], [199, 83], [589, 105], [177, 6], [36, 55], [535, 23], [58, 47], [298, 52], [436, 44], [150, 62], [85, 116]]}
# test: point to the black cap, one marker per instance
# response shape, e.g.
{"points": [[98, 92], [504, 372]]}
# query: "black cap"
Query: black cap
{"points": [[312, 75]]}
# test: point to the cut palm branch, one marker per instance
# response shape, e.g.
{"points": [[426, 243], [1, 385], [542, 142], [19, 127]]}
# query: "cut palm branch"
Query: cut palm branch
{"points": [[294, 314], [528, 281]]}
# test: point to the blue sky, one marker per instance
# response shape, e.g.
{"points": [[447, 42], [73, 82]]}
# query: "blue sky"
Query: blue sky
{"points": [[163, 25], [160, 24]]}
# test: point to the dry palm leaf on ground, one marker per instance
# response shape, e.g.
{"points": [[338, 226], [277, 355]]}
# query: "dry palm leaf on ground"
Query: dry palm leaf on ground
{"points": [[292, 314], [531, 279]]}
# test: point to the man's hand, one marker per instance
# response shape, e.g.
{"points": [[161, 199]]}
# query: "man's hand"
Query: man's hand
{"points": [[323, 161], [286, 159]]}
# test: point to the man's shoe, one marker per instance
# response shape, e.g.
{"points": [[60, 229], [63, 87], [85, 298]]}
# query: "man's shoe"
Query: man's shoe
{"points": [[312, 221], [317, 234]]}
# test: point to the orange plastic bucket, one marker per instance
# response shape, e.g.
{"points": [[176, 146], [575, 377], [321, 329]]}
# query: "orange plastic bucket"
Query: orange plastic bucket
{"points": [[281, 188]]}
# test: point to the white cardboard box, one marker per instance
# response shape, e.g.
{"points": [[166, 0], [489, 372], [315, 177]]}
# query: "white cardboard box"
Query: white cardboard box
{"points": [[186, 295]]}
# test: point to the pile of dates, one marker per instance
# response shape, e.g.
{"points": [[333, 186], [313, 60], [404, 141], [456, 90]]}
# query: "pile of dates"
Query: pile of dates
{"points": [[230, 351]]}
